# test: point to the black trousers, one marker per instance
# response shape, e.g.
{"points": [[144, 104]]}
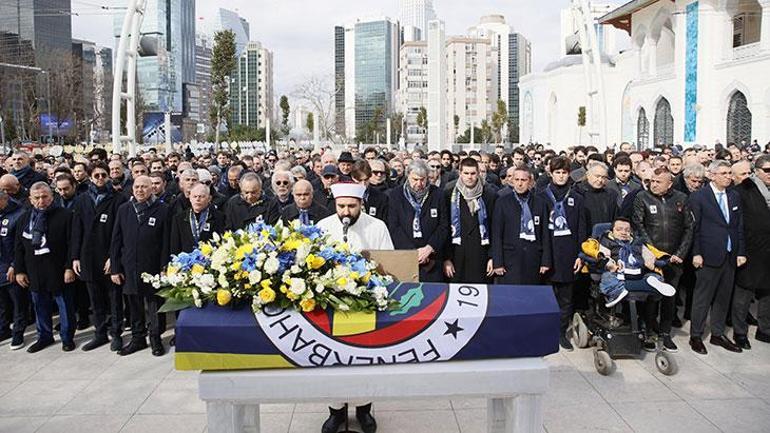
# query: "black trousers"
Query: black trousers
{"points": [[741, 301], [666, 305], [107, 304], [14, 308], [82, 301], [713, 288], [563, 293], [140, 318]]}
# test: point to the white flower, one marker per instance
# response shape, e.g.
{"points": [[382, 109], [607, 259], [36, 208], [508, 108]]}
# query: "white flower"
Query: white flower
{"points": [[255, 277], [380, 292], [295, 269], [198, 303], [297, 286], [343, 307], [302, 252], [319, 288], [206, 283], [222, 280], [271, 265]]}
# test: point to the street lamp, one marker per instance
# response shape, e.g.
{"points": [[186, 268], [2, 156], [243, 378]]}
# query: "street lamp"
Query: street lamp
{"points": [[48, 103]]}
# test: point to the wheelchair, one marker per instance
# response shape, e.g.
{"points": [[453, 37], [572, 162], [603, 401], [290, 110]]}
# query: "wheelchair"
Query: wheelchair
{"points": [[614, 332]]}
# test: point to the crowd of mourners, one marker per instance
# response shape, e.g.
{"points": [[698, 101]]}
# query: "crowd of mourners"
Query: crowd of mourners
{"points": [[78, 230]]}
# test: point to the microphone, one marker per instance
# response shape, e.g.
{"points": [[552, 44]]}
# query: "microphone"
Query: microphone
{"points": [[345, 226]]}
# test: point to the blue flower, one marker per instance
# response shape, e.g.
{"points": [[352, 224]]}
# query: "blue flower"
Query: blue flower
{"points": [[285, 261], [185, 261], [249, 262]]}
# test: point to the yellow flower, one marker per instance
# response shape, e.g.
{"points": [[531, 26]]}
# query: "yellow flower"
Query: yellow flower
{"points": [[197, 269], [247, 286], [227, 235], [244, 249], [314, 262], [291, 244], [354, 275], [266, 295], [284, 288], [307, 305], [171, 270], [266, 284], [223, 297], [236, 266], [206, 249], [342, 282], [365, 278]]}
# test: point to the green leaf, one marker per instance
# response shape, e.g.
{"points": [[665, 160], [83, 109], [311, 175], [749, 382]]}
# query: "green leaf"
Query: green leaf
{"points": [[409, 300], [173, 304]]}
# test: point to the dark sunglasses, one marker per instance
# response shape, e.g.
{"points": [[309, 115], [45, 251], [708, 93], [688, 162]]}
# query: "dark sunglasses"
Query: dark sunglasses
{"points": [[378, 173], [765, 169], [330, 176], [99, 175], [282, 182], [206, 182]]}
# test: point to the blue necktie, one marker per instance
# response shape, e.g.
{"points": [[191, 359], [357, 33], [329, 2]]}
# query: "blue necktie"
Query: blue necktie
{"points": [[726, 214], [304, 218]]}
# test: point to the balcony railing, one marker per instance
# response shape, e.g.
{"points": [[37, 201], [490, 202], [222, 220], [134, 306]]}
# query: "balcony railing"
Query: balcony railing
{"points": [[745, 51]]}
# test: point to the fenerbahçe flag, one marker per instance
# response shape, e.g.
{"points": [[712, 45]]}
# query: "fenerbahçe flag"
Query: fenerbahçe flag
{"points": [[434, 322]]}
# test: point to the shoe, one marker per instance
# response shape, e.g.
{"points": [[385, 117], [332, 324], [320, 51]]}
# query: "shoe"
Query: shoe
{"points": [[761, 336], [725, 342], [668, 344], [157, 346], [565, 343], [612, 301], [662, 287], [649, 344], [5, 336], [17, 342], [133, 347], [697, 345], [751, 320], [116, 344], [39, 345], [94, 343], [677, 323], [742, 341], [337, 417], [365, 419], [68, 346]]}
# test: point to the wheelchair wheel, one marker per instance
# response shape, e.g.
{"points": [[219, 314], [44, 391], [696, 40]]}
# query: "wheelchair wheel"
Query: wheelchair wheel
{"points": [[666, 363], [580, 333], [603, 363]]}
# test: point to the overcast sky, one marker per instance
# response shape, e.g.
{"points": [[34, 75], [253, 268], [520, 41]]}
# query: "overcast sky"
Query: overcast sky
{"points": [[301, 32]]}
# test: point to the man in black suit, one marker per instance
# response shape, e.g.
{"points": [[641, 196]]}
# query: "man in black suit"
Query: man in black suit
{"points": [[92, 225], [375, 201], [718, 248], [196, 225], [140, 245], [24, 172], [42, 265], [304, 208], [250, 205]]}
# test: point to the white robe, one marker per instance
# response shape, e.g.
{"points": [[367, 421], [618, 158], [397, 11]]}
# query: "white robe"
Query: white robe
{"points": [[367, 233]]}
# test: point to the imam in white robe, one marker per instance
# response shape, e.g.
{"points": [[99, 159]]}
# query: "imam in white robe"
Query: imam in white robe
{"points": [[367, 233]]}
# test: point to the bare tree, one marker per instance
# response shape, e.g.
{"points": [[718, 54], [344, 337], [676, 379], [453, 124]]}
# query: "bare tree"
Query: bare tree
{"points": [[318, 92]]}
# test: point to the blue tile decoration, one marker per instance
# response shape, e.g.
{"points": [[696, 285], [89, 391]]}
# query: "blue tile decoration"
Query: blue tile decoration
{"points": [[691, 74]]}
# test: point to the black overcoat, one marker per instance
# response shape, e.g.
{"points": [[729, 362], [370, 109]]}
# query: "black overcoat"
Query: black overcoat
{"points": [[181, 238], [756, 226], [470, 257], [316, 212], [565, 249], [239, 214], [376, 204], [46, 271], [92, 227]]}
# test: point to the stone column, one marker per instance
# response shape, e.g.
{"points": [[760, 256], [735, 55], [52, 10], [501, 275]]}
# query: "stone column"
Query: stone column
{"points": [[652, 59], [764, 41]]}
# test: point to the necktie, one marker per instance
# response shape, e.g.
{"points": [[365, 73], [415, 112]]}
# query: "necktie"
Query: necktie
{"points": [[726, 215], [304, 219]]}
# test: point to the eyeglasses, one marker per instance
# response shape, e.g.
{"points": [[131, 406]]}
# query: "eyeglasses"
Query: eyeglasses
{"points": [[206, 182], [282, 182], [99, 175], [765, 169], [378, 173], [330, 176], [435, 166]]}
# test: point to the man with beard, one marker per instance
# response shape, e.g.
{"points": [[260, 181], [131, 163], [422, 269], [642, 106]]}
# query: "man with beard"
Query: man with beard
{"points": [[470, 204], [361, 232], [250, 205], [623, 184], [304, 208], [521, 241], [567, 226], [159, 188], [282, 182], [92, 226], [42, 265], [198, 224], [140, 245], [417, 220], [120, 183]]}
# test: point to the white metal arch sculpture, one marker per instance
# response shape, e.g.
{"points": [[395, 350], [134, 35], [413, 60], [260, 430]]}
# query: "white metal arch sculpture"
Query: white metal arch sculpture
{"points": [[593, 71], [125, 60]]}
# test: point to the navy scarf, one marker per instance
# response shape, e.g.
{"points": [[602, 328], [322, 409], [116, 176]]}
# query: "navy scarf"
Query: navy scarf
{"points": [[558, 218], [455, 216], [416, 199], [38, 224], [527, 224], [198, 224]]}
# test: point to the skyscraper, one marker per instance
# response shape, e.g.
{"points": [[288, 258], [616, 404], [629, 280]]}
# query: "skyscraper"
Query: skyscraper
{"points": [[437, 85], [251, 89], [84, 62], [416, 13], [339, 79], [513, 58], [413, 88], [203, 76], [229, 20], [376, 72]]}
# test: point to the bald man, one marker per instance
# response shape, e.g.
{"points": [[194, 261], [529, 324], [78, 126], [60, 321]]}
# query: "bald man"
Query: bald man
{"points": [[11, 186], [139, 245], [196, 224], [304, 207]]}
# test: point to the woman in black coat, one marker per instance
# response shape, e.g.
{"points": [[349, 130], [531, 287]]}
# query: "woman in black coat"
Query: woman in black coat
{"points": [[427, 232], [93, 220]]}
